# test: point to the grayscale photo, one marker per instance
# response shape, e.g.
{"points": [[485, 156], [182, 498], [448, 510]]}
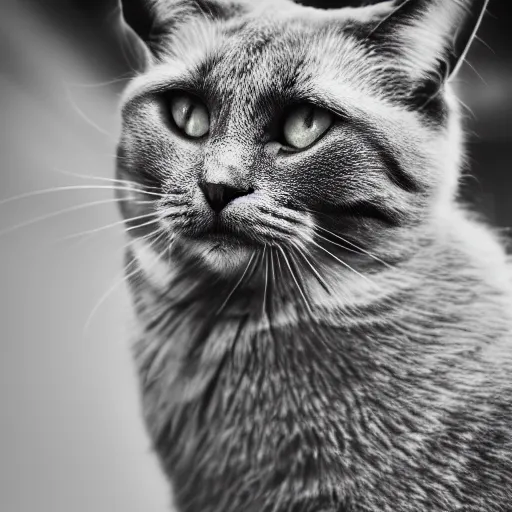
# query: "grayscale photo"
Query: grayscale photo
{"points": [[256, 256]]}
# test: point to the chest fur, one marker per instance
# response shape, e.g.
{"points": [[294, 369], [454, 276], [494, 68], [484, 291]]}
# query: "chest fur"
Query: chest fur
{"points": [[309, 410]]}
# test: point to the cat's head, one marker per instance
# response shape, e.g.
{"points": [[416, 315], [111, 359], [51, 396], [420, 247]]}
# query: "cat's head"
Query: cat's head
{"points": [[321, 135]]}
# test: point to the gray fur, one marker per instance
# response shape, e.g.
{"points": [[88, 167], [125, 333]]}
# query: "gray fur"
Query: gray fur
{"points": [[347, 346]]}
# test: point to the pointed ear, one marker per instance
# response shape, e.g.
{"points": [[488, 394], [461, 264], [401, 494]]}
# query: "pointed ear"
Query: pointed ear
{"points": [[140, 16], [153, 21], [430, 38]]}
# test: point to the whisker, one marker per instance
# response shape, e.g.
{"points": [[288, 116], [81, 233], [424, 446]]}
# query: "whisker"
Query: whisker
{"points": [[320, 279], [87, 237], [51, 215], [110, 290], [264, 304], [298, 266], [79, 111], [477, 73], [117, 223], [359, 249], [27, 195], [237, 285], [346, 265], [123, 78], [103, 178], [292, 273], [273, 283], [344, 247], [117, 282], [279, 268], [488, 46]]}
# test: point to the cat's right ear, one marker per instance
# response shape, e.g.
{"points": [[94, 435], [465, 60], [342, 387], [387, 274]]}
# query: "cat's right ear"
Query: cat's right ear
{"points": [[154, 22], [141, 18]]}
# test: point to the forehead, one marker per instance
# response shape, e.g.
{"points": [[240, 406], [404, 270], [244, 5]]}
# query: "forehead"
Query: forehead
{"points": [[261, 57], [276, 58]]}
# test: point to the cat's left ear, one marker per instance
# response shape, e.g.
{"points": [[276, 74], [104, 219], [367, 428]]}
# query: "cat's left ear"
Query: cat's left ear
{"points": [[430, 38]]}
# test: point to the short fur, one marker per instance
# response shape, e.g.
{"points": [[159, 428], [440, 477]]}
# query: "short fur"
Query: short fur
{"points": [[344, 344]]}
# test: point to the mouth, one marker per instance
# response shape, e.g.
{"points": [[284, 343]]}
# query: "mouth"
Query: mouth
{"points": [[221, 235], [217, 253]]}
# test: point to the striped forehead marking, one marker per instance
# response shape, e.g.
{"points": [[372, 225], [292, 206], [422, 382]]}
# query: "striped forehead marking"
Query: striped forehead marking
{"points": [[253, 64]]}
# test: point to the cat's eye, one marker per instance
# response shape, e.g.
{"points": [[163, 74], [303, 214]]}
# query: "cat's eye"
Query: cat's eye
{"points": [[190, 115], [305, 124]]}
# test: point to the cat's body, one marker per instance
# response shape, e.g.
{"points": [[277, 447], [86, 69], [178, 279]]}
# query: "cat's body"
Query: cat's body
{"points": [[352, 363], [402, 404]]}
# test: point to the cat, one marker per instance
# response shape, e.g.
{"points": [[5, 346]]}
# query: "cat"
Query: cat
{"points": [[320, 325]]}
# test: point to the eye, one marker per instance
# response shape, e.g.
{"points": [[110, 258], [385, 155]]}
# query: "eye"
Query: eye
{"points": [[190, 115], [305, 124]]}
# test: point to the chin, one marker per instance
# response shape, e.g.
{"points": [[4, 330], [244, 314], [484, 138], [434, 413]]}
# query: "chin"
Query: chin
{"points": [[217, 255]]}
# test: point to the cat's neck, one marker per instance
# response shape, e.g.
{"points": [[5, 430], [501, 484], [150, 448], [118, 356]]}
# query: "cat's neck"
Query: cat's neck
{"points": [[325, 288]]}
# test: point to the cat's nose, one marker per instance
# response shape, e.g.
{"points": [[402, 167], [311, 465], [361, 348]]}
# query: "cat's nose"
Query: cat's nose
{"points": [[219, 195]]}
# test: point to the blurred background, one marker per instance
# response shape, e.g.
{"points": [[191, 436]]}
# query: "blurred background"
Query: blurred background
{"points": [[71, 437]]}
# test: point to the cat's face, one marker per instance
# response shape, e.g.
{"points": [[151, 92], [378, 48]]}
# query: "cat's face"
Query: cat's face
{"points": [[289, 127]]}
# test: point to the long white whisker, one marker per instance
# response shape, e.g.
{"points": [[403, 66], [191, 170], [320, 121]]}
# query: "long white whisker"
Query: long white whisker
{"points": [[279, 268], [272, 269], [273, 281], [117, 223], [117, 282], [264, 304], [110, 290], [138, 226], [346, 265], [296, 263], [356, 250], [56, 214], [123, 78], [345, 248], [320, 279], [103, 178], [236, 286], [87, 237], [287, 262], [35, 193], [360, 249], [79, 111]]}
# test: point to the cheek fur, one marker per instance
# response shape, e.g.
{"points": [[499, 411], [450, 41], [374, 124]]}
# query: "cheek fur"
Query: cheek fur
{"points": [[346, 175], [153, 266]]}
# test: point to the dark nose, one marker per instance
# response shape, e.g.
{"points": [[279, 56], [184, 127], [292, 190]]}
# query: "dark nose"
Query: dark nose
{"points": [[219, 195]]}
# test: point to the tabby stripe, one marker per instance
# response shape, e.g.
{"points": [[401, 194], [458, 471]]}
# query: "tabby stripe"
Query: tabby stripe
{"points": [[394, 169], [362, 209]]}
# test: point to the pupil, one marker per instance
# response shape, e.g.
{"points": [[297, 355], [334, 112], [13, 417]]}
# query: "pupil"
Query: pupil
{"points": [[310, 117], [188, 113]]}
